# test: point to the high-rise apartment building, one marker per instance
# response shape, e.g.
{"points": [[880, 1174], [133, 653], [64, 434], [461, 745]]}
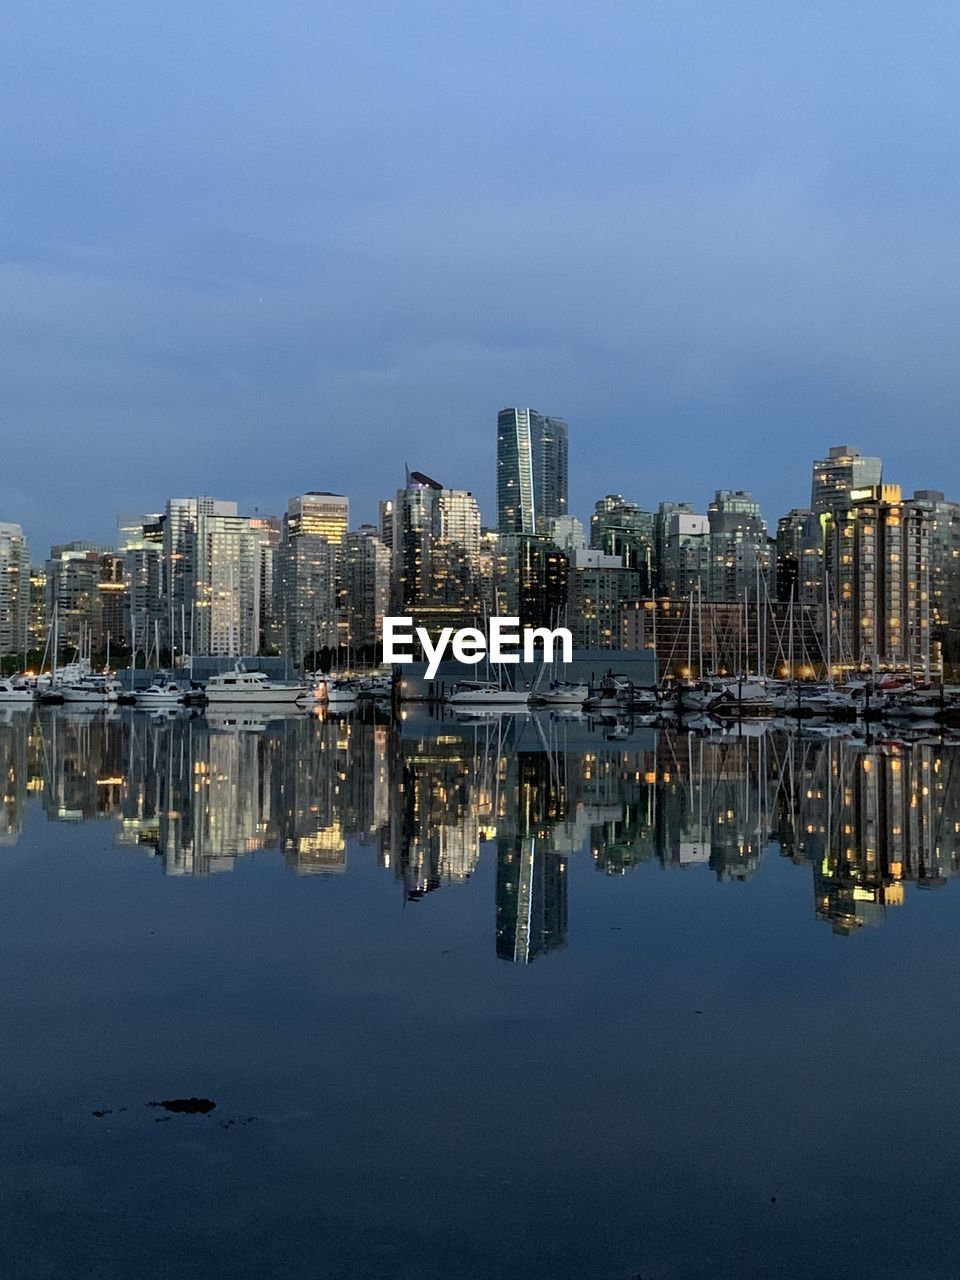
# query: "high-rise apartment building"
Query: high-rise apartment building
{"points": [[73, 580], [436, 551], [599, 586], [531, 579], [944, 562], [386, 523], [621, 528], [14, 590], [877, 552], [212, 577], [799, 557], [365, 565], [681, 549], [740, 552], [843, 470], [565, 532], [531, 470], [314, 528], [140, 542]]}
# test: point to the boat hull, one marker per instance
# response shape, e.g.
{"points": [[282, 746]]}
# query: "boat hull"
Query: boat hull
{"points": [[503, 698], [256, 697]]}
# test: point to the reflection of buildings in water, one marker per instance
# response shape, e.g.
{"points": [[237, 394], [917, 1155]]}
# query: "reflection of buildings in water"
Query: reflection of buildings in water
{"points": [[21, 760], [83, 765], [866, 819], [692, 801], [889, 815], [531, 873], [436, 818]]}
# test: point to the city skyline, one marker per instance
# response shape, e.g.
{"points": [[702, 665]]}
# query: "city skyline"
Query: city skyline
{"points": [[363, 516]]}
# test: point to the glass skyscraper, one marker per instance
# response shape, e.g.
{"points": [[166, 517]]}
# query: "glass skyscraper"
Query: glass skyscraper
{"points": [[531, 469]]}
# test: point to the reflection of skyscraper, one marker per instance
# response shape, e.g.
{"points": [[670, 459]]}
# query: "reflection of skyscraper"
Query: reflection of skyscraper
{"points": [[531, 470], [531, 877], [434, 815]]}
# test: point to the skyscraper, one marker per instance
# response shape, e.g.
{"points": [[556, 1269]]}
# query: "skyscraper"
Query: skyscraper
{"points": [[621, 528], [834, 477], [14, 589], [436, 551], [738, 545], [212, 576], [682, 541], [531, 469], [877, 549], [365, 581], [314, 528]]}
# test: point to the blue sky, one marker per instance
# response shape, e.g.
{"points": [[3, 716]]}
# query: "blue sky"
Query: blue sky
{"points": [[249, 250]]}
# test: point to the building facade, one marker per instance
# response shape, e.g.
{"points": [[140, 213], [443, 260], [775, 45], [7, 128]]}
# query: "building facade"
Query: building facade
{"points": [[843, 470], [623, 529], [14, 590], [531, 470], [740, 554]]}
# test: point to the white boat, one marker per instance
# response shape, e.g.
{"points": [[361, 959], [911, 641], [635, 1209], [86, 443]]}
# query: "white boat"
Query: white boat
{"points": [[90, 690], [163, 693], [341, 692], [480, 693], [13, 692], [564, 693], [376, 687], [252, 687]]}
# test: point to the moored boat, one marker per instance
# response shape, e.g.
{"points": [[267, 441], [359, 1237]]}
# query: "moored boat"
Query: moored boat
{"points": [[488, 693], [242, 686], [162, 693], [12, 692]]}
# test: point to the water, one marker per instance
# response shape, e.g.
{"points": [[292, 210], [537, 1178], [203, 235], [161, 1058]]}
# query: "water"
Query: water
{"points": [[496, 999]]}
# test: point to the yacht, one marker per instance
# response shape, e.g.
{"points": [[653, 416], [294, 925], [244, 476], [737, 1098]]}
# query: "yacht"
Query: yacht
{"points": [[564, 693], [342, 692], [252, 686], [376, 687], [12, 692], [485, 693], [162, 693], [90, 690]]}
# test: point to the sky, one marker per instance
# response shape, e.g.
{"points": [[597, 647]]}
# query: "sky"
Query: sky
{"points": [[248, 250]]}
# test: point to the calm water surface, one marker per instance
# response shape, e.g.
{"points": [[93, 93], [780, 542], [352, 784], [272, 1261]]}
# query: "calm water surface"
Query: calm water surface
{"points": [[501, 999]]}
